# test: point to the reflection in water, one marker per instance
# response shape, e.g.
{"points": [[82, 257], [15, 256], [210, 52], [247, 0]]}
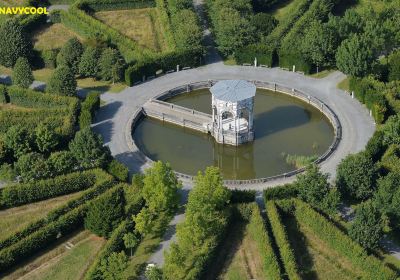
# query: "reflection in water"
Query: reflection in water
{"points": [[283, 125]]}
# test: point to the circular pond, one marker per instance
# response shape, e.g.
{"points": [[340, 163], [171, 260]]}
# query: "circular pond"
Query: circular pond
{"points": [[287, 132]]}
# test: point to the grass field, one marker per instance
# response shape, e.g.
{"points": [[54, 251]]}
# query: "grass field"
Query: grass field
{"points": [[141, 25], [52, 36], [344, 85], [243, 259], [14, 219], [72, 264], [322, 74], [314, 258]]}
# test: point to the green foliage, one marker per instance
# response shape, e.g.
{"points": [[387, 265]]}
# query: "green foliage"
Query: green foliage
{"points": [[354, 56], [42, 238], [264, 24], [32, 167], [3, 94], [394, 66], [114, 244], [356, 175], [390, 161], [111, 65], [46, 139], [13, 43], [106, 212], [130, 241], [282, 241], [134, 199], [340, 242], [204, 225], [61, 163], [187, 31], [70, 55], [87, 147], [314, 188], [242, 196], [7, 173], [88, 109], [281, 192], [391, 131], [49, 58], [113, 266], [62, 82], [22, 73], [367, 226], [118, 170], [263, 53], [385, 198], [23, 193], [89, 62], [18, 140], [108, 5], [375, 147], [153, 273]]}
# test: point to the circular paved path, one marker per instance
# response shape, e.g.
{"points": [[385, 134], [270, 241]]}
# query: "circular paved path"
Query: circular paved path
{"points": [[113, 118]]}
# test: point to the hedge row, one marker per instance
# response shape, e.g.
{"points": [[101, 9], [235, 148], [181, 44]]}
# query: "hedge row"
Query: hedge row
{"points": [[82, 23], [88, 109], [279, 232], [114, 244], [104, 182], [339, 241], [42, 238], [263, 53], [19, 194], [280, 192], [107, 5], [118, 170], [258, 233], [242, 196], [166, 62]]}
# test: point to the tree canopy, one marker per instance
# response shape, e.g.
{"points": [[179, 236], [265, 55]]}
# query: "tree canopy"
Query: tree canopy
{"points": [[22, 73], [62, 82]]}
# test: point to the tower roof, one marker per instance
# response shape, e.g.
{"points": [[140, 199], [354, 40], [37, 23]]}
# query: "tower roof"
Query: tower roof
{"points": [[233, 90]]}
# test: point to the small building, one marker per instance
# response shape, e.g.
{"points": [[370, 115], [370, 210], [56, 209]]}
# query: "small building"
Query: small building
{"points": [[232, 111]]}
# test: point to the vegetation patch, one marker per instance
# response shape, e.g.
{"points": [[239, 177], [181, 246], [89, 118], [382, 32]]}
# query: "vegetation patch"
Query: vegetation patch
{"points": [[52, 36]]}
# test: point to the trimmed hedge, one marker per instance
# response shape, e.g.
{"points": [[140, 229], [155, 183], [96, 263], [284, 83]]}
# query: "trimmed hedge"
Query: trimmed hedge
{"points": [[114, 244], [104, 182], [42, 238], [242, 196], [19, 194], [339, 241], [88, 109], [281, 192], [118, 170], [263, 53], [107, 5], [282, 241]]}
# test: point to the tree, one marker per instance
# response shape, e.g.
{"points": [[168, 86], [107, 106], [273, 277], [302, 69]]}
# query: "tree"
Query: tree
{"points": [[61, 163], [13, 43], [18, 140], [46, 138], [355, 56], [111, 65], [70, 55], [388, 186], [356, 176], [391, 130], [366, 228], [113, 266], [394, 66], [62, 82], [32, 167], [89, 64], [188, 34], [314, 188], [153, 273], [160, 190], [263, 24], [319, 44], [87, 147], [105, 212], [130, 241], [22, 73]]}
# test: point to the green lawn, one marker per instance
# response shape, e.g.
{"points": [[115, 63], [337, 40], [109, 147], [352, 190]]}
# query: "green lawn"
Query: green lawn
{"points": [[141, 25], [72, 264], [322, 74], [52, 36], [15, 219], [344, 85], [314, 258]]}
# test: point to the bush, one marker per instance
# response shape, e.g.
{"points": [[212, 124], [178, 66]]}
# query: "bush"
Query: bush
{"points": [[108, 5], [263, 53], [111, 65], [19, 141], [70, 55], [19, 194], [106, 212], [49, 58], [242, 196], [281, 192], [22, 73], [118, 170], [88, 109], [282, 241], [32, 167], [62, 82], [61, 163], [375, 147], [340, 242], [89, 63]]}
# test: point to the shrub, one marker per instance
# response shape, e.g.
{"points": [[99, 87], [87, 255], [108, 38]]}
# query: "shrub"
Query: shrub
{"points": [[88, 109], [375, 147], [18, 194], [61, 163], [340, 242], [32, 167], [394, 66], [3, 94], [49, 57], [262, 52], [118, 170], [18, 140], [281, 192], [89, 63], [70, 55], [106, 212], [22, 73], [282, 241], [46, 138], [107, 5], [62, 82], [111, 65]]}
